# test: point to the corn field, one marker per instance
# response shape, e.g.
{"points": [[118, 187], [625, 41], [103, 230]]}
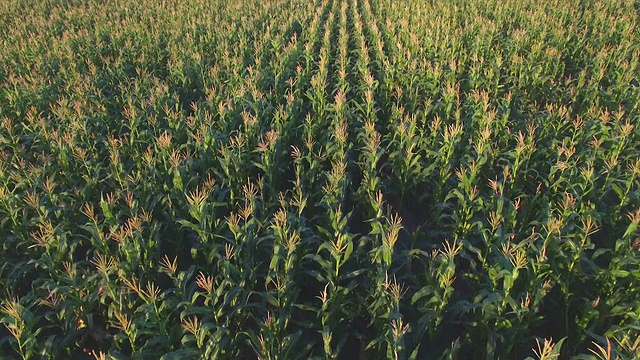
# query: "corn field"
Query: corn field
{"points": [[326, 179]]}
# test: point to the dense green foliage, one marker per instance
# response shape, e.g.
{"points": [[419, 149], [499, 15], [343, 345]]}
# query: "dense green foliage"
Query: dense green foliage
{"points": [[322, 179]]}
